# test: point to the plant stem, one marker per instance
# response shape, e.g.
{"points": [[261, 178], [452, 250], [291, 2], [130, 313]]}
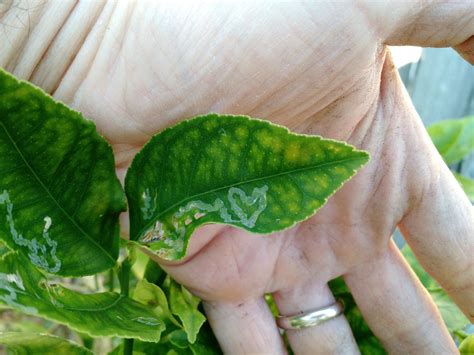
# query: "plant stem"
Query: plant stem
{"points": [[124, 278]]}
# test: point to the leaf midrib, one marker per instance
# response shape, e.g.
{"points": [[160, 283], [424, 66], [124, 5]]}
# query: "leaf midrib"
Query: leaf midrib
{"points": [[334, 162], [73, 221]]}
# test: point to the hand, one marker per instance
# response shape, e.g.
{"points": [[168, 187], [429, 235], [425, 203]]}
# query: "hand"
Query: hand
{"points": [[136, 68]]}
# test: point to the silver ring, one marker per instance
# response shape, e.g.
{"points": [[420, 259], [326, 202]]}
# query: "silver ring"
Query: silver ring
{"points": [[310, 319]]}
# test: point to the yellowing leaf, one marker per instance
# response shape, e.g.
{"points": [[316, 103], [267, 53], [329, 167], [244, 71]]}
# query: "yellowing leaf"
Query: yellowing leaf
{"points": [[59, 196], [235, 170]]}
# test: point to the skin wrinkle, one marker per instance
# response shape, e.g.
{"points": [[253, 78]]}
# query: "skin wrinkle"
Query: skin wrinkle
{"points": [[4, 7], [40, 38], [15, 35], [69, 87], [48, 46], [45, 74], [341, 236]]}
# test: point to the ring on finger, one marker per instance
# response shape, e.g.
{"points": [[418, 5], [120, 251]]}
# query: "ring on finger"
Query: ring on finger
{"points": [[312, 318]]}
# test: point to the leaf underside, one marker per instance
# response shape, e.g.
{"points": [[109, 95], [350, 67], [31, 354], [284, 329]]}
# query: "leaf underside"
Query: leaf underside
{"points": [[235, 170], [58, 188], [25, 289]]}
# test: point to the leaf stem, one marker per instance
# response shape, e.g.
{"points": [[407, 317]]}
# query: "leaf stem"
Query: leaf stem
{"points": [[124, 278]]}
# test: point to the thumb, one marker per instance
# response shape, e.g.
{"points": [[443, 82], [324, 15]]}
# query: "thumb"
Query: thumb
{"points": [[428, 24]]}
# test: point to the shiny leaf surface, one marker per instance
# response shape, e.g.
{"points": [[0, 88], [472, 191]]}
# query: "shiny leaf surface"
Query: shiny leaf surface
{"points": [[234, 170], [58, 188], [24, 288]]}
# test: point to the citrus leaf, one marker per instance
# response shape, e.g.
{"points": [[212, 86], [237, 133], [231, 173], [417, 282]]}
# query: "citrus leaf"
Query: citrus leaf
{"points": [[454, 139], [467, 346], [58, 188], [152, 296], [179, 338], [185, 306], [24, 288], [40, 344], [467, 185], [234, 170]]}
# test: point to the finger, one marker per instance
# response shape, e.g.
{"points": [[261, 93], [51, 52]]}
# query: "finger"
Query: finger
{"points": [[331, 337], [424, 23], [245, 328], [440, 229], [397, 308], [439, 224]]}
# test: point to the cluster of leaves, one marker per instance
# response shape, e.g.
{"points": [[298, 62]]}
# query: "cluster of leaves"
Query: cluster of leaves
{"points": [[60, 200]]}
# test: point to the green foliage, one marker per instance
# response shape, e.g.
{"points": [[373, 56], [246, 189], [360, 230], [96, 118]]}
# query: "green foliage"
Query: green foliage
{"points": [[467, 185], [184, 305], [40, 344], [233, 170], [190, 334], [453, 317], [467, 346], [454, 139], [58, 188], [25, 289], [155, 298]]}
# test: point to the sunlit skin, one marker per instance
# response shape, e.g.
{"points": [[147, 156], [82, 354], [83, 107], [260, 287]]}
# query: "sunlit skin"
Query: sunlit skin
{"points": [[317, 69]]}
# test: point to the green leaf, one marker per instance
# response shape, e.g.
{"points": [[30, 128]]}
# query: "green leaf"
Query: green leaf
{"points": [[467, 346], [185, 306], [453, 317], [36, 344], [176, 343], [467, 185], [235, 170], [59, 196], [179, 338], [206, 342], [24, 288], [454, 139], [154, 297]]}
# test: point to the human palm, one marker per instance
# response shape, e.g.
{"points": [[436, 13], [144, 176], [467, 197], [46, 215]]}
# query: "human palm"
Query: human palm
{"points": [[318, 70]]}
